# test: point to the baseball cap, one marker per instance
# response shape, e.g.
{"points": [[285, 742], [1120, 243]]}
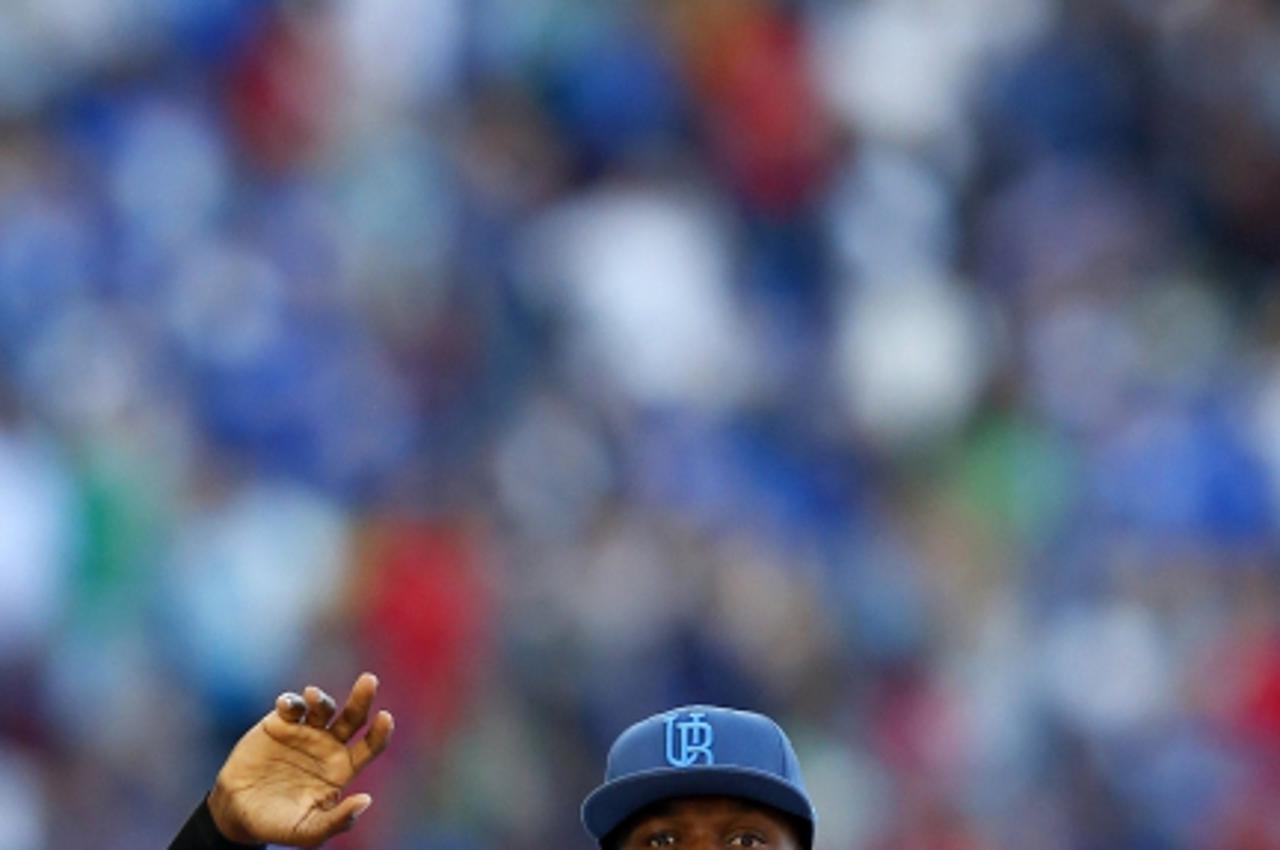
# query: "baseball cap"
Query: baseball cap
{"points": [[698, 750]]}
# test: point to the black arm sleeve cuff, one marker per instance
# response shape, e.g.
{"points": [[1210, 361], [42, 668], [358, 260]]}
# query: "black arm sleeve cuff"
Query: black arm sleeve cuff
{"points": [[199, 833]]}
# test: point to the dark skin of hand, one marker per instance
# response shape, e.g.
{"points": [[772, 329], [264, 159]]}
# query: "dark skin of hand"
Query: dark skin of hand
{"points": [[710, 823], [284, 781]]}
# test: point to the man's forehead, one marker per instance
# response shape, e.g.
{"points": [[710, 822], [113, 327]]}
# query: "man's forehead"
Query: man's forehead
{"points": [[714, 813]]}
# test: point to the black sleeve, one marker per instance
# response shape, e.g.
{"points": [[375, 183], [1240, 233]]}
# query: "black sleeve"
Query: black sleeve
{"points": [[199, 833]]}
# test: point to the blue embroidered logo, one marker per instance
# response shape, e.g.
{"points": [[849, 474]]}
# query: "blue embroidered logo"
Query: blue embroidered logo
{"points": [[689, 740]]}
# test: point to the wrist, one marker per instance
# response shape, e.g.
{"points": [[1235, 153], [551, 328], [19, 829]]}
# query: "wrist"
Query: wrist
{"points": [[225, 819]]}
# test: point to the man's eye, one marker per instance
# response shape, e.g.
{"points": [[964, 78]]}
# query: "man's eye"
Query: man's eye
{"points": [[661, 839], [747, 839]]}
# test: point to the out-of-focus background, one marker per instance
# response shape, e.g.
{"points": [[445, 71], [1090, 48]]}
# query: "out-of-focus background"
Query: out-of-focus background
{"points": [[907, 369]]}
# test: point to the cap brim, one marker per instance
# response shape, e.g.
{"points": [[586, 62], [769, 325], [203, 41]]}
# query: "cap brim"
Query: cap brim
{"points": [[612, 803]]}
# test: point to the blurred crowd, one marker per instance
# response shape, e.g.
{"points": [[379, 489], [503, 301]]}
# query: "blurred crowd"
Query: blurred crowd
{"points": [[908, 369]]}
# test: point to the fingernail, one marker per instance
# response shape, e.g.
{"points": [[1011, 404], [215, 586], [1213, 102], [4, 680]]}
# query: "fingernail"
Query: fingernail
{"points": [[361, 808]]}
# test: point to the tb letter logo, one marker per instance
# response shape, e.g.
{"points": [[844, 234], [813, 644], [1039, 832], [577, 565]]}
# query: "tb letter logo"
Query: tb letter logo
{"points": [[689, 740]]}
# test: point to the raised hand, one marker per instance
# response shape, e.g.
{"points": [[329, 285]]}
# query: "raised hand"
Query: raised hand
{"points": [[283, 783]]}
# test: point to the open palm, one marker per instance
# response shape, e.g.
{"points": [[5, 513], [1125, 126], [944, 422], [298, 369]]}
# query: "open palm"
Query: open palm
{"points": [[284, 781]]}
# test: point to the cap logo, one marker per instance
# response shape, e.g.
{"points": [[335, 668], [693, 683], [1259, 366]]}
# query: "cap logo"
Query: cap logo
{"points": [[689, 740]]}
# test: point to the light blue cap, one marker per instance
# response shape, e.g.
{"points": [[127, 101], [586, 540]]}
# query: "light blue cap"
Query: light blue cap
{"points": [[698, 750]]}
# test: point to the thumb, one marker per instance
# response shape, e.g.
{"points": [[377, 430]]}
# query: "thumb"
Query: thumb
{"points": [[323, 825]]}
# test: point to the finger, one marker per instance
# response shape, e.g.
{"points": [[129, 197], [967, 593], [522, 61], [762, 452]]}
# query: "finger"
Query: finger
{"points": [[320, 707], [374, 742], [356, 711], [291, 707], [320, 825]]}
